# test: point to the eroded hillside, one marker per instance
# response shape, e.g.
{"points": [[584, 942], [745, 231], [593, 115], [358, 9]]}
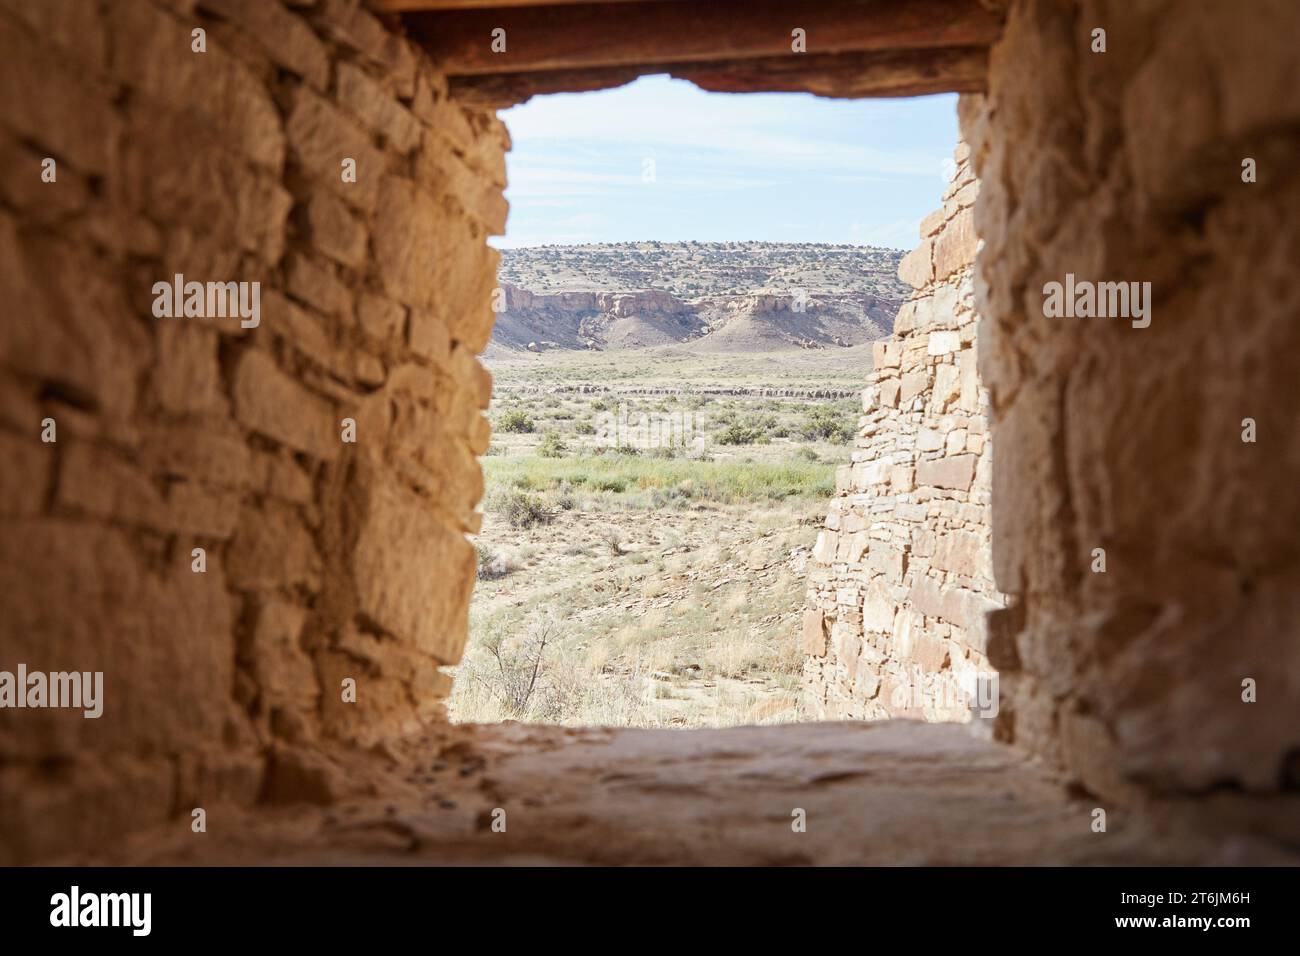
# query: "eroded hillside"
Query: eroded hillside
{"points": [[729, 296]]}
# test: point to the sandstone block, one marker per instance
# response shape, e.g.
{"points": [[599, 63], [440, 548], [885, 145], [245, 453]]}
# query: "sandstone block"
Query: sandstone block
{"points": [[409, 232], [70, 586], [321, 137], [315, 282], [889, 391], [271, 403], [916, 268], [954, 249], [889, 561], [335, 232], [300, 329], [929, 439], [932, 223], [824, 549], [283, 671], [943, 343], [878, 609], [377, 108], [24, 479], [852, 546], [151, 53], [353, 26], [445, 173], [467, 269], [272, 549], [947, 389], [39, 84], [286, 38], [428, 336], [847, 647], [885, 354], [96, 482], [206, 454], [902, 478], [968, 397], [187, 379], [959, 552], [814, 633], [912, 385], [414, 574], [906, 511], [956, 472], [380, 318], [925, 649]]}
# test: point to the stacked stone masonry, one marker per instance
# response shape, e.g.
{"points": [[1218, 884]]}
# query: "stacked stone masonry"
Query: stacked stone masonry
{"points": [[328, 560], [325, 559], [901, 576], [1128, 165]]}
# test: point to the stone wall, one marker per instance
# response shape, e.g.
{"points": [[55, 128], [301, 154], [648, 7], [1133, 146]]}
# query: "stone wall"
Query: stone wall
{"points": [[901, 576], [325, 559], [1127, 165]]}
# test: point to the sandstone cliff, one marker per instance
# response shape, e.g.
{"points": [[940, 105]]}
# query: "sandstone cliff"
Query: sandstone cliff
{"points": [[735, 297]]}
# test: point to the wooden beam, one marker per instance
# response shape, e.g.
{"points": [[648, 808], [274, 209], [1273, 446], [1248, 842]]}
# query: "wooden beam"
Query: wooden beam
{"points": [[838, 75], [411, 6], [607, 34], [850, 75]]}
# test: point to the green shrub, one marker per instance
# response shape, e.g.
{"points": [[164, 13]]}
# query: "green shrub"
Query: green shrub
{"points": [[516, 421], [490, 564], [552, 446], [678, 479], [522, 510], [827, 424], [738, 434]]}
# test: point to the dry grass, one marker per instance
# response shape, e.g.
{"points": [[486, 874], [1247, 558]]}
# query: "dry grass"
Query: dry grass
{"points": [[668, 589]]}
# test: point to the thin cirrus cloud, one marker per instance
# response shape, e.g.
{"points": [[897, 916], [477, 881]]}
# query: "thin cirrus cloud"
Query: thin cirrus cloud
{"points": [[661, 159]]}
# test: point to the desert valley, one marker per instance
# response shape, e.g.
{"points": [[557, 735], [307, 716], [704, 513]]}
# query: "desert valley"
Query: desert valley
{"points": [[667, 419]]}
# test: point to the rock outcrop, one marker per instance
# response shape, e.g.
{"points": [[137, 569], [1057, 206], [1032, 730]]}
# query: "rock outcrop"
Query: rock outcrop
{"points": [[738, 297]]}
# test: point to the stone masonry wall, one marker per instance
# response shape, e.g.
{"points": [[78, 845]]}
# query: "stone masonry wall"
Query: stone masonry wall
{"points": [[901, 575], [1131, 165], [325, 559]]}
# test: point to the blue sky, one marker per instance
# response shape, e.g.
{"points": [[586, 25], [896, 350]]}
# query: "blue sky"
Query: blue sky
{"points": [[661, 159]]}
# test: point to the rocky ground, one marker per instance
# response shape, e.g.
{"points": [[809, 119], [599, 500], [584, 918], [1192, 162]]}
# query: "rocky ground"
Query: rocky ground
{"points": [[867, 794]]}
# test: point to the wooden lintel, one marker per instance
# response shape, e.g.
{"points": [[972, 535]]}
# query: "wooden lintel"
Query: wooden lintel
{"points": [[432, 5], [613, 34], [841, 75], [412, 6]]}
